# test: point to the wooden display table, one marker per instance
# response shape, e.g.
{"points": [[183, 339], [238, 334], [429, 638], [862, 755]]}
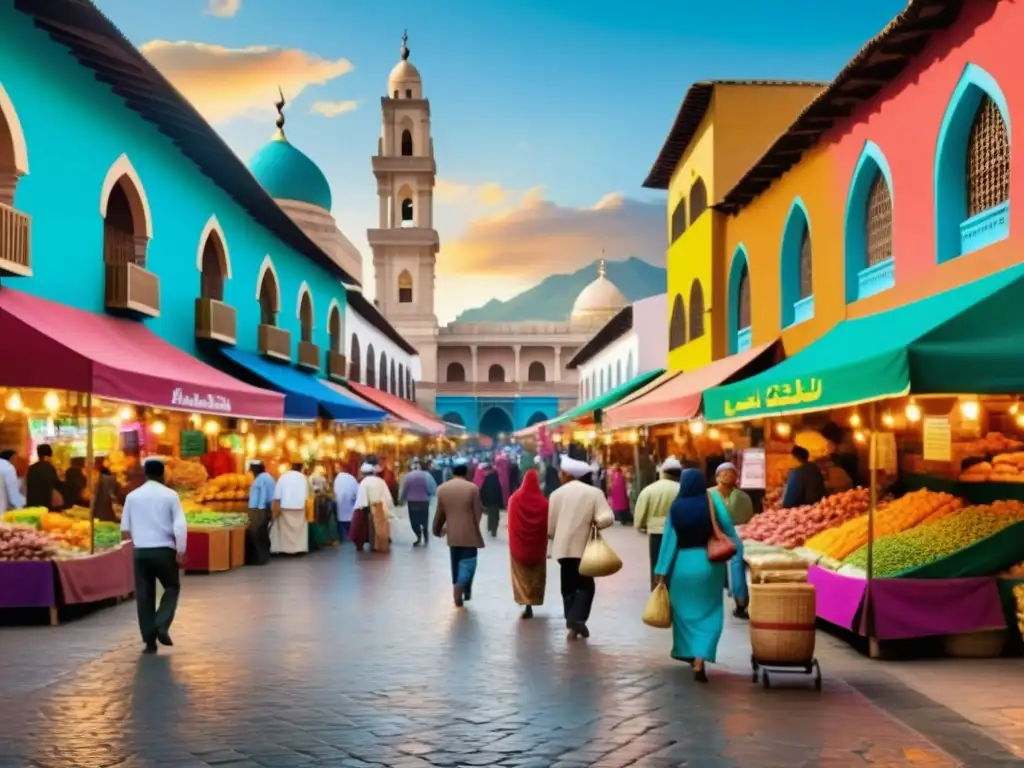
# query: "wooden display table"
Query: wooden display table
{"points": [[209, 550], [237, 546]]}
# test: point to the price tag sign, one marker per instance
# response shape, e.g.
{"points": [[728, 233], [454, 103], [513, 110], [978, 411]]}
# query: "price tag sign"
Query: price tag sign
{"points": [[753, 469], [193, 444], [937, 442]]}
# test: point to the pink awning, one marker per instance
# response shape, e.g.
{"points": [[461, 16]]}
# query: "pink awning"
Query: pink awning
{"points": [[403, 409], [48, 345], [679, 398]]}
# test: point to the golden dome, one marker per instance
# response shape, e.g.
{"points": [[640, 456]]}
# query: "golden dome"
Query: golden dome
{"points": [[599, 300], [405, 82]]}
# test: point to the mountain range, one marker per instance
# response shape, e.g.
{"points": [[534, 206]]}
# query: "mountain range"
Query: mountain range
{"points": [[553, 297]]}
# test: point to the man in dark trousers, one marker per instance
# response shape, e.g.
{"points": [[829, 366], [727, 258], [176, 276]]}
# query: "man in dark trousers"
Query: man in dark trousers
{"points": [[155, 523], [492, 498], [805, 484], [42, 484]]}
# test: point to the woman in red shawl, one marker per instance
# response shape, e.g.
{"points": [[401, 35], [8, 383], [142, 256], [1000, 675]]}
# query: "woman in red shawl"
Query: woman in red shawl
{"points": [[528, 543]]}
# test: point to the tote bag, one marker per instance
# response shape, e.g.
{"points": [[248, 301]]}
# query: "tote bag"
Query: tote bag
{"points": [[658, 612], [599, 559]]}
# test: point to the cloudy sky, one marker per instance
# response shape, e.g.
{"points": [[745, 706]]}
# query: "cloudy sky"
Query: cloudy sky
{"points": [[547, 114]]}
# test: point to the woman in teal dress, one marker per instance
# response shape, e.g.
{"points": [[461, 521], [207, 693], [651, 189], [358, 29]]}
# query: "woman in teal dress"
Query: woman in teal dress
{"points": [[695, 585]]}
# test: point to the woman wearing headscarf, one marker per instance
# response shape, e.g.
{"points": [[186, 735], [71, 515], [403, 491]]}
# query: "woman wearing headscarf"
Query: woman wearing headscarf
{"points": [[694, 583], [528, 543], [618, 496], [741, 509]]}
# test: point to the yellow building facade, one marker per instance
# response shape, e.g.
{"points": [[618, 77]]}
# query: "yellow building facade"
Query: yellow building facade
{"points": [[721, 128]]}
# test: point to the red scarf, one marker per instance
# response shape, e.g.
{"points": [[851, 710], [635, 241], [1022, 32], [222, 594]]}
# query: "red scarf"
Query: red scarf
{"points": [[528, 522]]}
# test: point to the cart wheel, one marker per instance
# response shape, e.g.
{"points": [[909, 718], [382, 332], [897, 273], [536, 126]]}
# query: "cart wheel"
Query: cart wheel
{"points": [[764, 679], [817, 677]]}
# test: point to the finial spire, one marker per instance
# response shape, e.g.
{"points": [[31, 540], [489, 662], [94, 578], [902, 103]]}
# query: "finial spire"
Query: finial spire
{"points": [[279, 104], [405, 47], [602, 266]]}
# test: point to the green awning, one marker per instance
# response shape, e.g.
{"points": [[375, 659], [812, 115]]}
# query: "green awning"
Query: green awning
{"points": [[608, 399], [967, 340]]}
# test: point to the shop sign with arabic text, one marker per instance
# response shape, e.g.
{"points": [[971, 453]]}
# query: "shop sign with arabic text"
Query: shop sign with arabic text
{"points": [[799, 393]]}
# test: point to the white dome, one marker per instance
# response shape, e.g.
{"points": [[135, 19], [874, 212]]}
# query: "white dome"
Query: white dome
{"points": [[599, 300], [405, 82]]}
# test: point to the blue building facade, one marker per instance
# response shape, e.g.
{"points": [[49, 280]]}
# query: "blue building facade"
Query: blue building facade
{"points": [[83, 142], [495, 416]]}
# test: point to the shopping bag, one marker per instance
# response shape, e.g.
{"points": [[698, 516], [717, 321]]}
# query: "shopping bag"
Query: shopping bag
{"points": [[658, 611], [599, 559]]}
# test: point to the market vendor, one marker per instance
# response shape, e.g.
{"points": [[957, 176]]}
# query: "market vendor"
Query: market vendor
{"points": [[75, 483], [105, 495], [290, 533], [261, 497], [42, 484], [805, 484]]}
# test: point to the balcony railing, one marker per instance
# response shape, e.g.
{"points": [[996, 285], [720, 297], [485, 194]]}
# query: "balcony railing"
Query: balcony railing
{"points": [[15, 243], [132, 289], [337, 365], [309, 355], [876, 278], [275, 342], [803, 310], [216, 321]]}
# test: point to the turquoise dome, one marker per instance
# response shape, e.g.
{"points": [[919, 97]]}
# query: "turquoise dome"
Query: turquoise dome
{"points": [[288, 174]]}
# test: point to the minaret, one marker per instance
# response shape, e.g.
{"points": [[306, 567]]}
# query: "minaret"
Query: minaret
{"points": [[405, 243]]}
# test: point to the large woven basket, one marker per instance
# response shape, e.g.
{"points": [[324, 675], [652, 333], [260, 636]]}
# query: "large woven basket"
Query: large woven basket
{"points": [[782, 621], [791, 576]]}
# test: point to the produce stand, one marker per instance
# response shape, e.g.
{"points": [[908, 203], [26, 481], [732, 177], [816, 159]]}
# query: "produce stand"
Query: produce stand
{"points": [[52, 584]]}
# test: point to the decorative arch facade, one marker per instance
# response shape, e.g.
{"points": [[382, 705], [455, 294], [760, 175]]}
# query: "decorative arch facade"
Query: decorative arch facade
{"points": [[795, 262], [869, 266]]}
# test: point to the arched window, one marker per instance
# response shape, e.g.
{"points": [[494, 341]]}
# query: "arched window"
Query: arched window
{"points": [[354, 373], [382, 373], [455, 372], [407, 213], [13, 151], [677, 324], [795, 262], [678, 225], [391, 380], [334, 331], [306, 317], [972, 184], [698, 199], [868, 260], [401, 380], [124, 225], [536, 372], [269, 299], [405, 287], [696, 310], [495, 373], [739, 302], [211, 280], [371, 367], [406, 143]]}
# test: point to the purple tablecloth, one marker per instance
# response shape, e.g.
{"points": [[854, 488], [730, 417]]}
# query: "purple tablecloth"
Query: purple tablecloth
{"points": [[908, 608], [27, 585]]}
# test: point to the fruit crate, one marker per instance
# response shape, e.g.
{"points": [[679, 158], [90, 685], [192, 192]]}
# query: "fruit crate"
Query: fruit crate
{"points": [[209, 550]]}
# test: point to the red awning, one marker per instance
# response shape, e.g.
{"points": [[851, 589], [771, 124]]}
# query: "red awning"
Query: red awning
{"points": [[48, 345], [679, 398], [402, 409]]}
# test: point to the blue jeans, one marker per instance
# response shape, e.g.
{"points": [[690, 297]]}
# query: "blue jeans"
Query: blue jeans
{"points": [[463, 567]]}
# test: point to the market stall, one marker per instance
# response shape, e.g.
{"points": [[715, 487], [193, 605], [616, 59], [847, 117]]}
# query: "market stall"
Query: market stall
{"points": [[897, 384]]}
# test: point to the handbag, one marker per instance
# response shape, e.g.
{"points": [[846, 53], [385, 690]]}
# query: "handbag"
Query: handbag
{"points": [[658, 612], [721, 548], [598, 559]]}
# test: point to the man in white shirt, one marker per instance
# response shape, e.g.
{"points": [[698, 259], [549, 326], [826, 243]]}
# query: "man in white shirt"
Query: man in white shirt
{"points": [[155, 523], [573, 510], [10, 489], [346, 489], [290, 532], [374, 496]]}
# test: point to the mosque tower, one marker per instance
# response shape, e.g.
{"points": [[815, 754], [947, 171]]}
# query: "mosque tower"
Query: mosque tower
{"points": [[405, 243]]}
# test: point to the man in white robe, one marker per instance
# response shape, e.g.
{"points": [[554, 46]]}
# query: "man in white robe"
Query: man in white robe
{"points": [[573, 510], [290, 533], [375, 497]]}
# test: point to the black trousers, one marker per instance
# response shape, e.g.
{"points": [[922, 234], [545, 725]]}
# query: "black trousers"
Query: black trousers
{"points": [[257, 538], [577, 592], [419, 512], [493, 516], [654, 548], [153, 565]]}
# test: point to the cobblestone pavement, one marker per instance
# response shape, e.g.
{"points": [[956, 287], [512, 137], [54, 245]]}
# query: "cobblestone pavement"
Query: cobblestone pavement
{"points": [[335, 659]]}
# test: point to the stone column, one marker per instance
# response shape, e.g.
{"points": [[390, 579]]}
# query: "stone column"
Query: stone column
{"points": [[516, 350], [424, 218], [473, 376], [558, 364], [383, 205]]}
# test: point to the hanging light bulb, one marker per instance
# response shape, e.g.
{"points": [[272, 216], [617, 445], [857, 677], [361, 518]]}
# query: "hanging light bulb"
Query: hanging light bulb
{"points": [[859, 436], [292, 444], [281, 434], [14, 401], [1014, 408], [158, 427], [196, 419], [855, 420], [243, 427], [888, 420], [211, 428], [783, 429], [126, 413], [696, 427], [267, 445], [51, 401], [714, 434], [970, 409], [913, 412]]}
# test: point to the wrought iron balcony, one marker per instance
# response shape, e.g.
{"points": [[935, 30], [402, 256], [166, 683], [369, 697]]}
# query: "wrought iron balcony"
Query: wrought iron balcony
{"points": [[216, 321], [275, 342], [15, 243], [309, 355], [132, 289], [337, 365]]}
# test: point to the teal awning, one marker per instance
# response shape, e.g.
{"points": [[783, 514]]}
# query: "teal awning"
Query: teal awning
{"points": [[966, 340], [608, 399]]}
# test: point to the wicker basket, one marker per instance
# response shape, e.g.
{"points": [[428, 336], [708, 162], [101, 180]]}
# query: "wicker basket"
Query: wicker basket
{"points": [[976, 645], [781, 577], [782, 623]]}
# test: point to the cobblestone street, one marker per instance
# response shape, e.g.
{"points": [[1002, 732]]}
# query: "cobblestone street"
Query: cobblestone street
{"points": [[336, 659]]}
